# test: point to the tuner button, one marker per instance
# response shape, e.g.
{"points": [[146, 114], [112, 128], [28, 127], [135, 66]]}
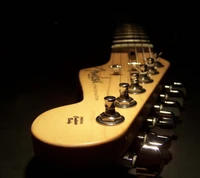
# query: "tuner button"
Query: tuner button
{"points": [[128, 160], [153, 139], [124, 100], [167, 117], [176, 86], [173, 95], [162, 124], [166, 121], [169, 106], [135, 87], [150, 161], [110, 116]]}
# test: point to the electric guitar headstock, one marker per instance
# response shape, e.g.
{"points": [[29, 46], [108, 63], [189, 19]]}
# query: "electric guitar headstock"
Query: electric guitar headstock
{"points": [[117, 97]]}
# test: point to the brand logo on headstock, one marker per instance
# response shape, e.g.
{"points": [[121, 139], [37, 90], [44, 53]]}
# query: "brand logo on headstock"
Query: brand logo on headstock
{"points": [[94, 77], [75, 120]]}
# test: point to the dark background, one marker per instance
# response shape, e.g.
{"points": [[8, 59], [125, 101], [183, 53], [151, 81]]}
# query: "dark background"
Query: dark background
{"points": [[44, 46]]}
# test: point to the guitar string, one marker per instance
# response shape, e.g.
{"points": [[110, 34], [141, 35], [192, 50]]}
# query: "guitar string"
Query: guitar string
{"points": [[120, 60], [120, 69], [150, 52], [112, 64], [134, 45], [130, 46], [136, 52], [142, 46], [148, 46], [128, 53], [135, 33], [109, 82]]}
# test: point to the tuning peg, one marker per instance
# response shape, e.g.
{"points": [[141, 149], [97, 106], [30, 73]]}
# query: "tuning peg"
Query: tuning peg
{"points": [[168, 114], [135, 87], [124, 100], [173, 95], [163, 124], [151, 68], [154, 139], [163, 121], [143, 75], [149, 161], [110, 116], [170, 106], [157, 62], [176, 86]]}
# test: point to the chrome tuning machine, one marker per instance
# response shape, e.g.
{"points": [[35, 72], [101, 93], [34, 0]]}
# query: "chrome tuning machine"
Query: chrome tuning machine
{"points": [[157, 62], [124, 100], [164, 119], [173, 95], [152, 138], [163, 123], [143, 74], [110, 116], [151, 68], [176, 86], [145, 157], [135, 87], [169, 106]]}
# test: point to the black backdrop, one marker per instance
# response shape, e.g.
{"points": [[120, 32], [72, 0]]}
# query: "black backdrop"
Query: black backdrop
{"points": [[44, 46]]}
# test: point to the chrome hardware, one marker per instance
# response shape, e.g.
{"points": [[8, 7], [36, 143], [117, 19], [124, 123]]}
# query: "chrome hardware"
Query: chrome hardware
{"points": [[110, 116], [116, 69], [148, 161], [173, 95], [135, 87], [164, 114], [143, 75], [157, 62], [128, 160], [151, 66], [163, 121], [170, 106], [176, 86], [133, 65], [162, 124], [153, 139], [124, 100]]}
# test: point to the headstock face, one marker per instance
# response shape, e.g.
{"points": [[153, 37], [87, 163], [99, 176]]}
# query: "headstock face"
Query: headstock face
{"points": [[116, 97]]}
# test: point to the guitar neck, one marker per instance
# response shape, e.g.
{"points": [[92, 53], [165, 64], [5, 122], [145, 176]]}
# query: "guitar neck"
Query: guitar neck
{"points": [[131, 36]]}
